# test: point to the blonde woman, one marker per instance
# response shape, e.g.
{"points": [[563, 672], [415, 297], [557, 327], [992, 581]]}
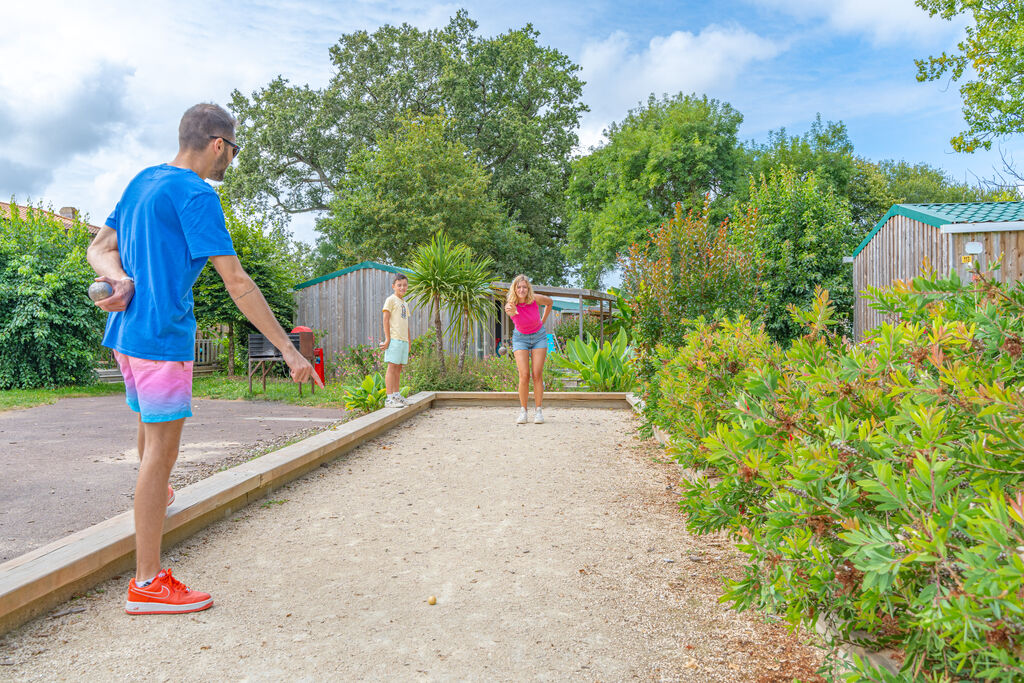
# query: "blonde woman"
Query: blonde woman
{"points": [[529, 342]]}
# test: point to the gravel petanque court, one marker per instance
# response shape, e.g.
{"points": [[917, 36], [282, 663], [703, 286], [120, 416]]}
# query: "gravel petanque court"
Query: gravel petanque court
{"points": [[554, 551]]}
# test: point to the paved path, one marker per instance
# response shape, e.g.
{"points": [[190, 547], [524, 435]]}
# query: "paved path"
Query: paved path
{"points": [[554, 552], [73, 463]]}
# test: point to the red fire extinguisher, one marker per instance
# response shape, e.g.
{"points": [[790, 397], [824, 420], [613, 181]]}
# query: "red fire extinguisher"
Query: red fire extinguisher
{"points": [[318, 364]]}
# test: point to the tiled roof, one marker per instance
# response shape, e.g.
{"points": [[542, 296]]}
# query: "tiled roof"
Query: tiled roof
{"points": [[5, 211], [938, 215], [971, 212], [345, 271]]}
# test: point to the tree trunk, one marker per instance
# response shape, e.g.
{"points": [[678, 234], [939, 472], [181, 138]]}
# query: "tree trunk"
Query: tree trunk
{"points": [[465, 345], [231, 349], [440, 333]]}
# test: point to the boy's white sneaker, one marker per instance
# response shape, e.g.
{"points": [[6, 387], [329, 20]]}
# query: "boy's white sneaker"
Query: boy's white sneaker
{"points": [[521, 420], [392, 402], [403, 399], [538, 417]]}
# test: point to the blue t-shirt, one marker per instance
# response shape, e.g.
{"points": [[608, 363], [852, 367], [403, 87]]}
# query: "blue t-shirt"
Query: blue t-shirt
{"points": [[168, 222]]}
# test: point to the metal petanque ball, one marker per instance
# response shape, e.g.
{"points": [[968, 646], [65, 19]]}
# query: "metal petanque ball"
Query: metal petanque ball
{"points": [[100, 290]]}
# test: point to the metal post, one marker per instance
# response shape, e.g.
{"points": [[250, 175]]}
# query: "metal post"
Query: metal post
{"points": [[602, 319], [581, 316]]}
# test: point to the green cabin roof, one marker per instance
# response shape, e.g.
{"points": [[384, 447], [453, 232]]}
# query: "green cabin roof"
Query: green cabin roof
{"points": [[938, 215], [358, 266]]}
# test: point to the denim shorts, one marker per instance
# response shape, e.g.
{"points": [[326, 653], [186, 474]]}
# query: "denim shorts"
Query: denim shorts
{"points": [[529, 342]]}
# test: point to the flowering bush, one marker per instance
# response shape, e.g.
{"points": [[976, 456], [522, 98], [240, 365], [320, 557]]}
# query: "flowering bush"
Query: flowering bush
{"points": [[880, 487], [688, 268], [697, 380]]}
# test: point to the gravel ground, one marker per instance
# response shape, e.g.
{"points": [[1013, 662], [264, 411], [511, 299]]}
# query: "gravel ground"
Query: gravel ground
{"points": [[554, 552]]}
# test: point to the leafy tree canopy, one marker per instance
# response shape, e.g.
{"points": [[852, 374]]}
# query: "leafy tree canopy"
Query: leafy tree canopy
{"points": [[673, 149], [264, 251], [414, 184], [989, 63], [514, 102], [50, 331], [803, 232]]}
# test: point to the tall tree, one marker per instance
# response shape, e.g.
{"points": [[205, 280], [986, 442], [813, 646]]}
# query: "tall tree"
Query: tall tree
{"points": [[514, 102], [989, 62], [416, 183], [803, 232], [673, 149]]}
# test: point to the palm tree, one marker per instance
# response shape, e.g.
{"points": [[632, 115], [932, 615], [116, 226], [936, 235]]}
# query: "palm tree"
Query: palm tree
{"points": [[435, 275], [471, 300]]}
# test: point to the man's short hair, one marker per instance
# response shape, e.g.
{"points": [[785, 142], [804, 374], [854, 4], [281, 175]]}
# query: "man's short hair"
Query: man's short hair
{"points": [[399, 276], [202, 121]]}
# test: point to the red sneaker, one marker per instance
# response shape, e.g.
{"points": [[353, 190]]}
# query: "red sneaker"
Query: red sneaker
{"points": [[165, 595], [170, 495]]}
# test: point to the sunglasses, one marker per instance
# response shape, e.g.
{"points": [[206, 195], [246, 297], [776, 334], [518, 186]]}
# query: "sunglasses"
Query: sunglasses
{"points": [[235, 148]]}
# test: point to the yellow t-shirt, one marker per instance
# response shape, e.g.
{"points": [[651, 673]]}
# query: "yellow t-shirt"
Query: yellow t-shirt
{"points": [[399, 317]]}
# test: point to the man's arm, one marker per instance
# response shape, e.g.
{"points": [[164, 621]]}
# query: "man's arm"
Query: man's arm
{"points": [[249, 299], [105, 259]]}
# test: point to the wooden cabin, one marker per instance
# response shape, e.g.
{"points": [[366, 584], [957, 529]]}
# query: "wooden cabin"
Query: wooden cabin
{"points": [[944, 236]]}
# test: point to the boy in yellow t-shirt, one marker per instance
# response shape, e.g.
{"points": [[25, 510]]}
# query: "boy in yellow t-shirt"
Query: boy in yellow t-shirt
{"points": [[396, 341]]}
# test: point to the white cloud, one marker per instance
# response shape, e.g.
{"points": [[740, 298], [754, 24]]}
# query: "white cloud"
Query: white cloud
{"points": [[884, 22], [137, 66], [619, 77]]}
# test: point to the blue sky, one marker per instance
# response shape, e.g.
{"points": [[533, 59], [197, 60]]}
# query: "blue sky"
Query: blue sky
{"points": [[90, 93]]}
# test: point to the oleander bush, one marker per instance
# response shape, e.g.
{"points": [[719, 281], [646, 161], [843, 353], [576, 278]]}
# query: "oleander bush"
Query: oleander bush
{"points": [[689, 267], [698, 379], [878, 487]]}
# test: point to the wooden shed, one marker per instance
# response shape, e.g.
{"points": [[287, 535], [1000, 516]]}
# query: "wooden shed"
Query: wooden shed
{"points": [[344, 308], [946, 237]]}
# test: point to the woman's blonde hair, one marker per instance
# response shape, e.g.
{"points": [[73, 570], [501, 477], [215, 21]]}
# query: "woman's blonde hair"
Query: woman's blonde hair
{"points": [[512, 298]]}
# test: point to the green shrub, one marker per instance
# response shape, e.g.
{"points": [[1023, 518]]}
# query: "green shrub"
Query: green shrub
{"points": [[602, 367], [368, 395], [698, 380], [493, 373], [50, 331], [880, 487], [360, 360], [569, 328], [688, 268]]}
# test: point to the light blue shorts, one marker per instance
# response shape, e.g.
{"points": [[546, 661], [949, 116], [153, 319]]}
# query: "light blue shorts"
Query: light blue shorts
{"points": [[397, 352], [529, 342]]}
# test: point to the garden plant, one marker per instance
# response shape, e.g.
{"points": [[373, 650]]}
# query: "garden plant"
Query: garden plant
{"points": [[878, 488]]}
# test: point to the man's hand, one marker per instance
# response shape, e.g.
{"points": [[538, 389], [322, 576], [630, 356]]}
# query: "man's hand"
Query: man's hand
{"points": [[124, 290], [385, 344], [302, 370]]}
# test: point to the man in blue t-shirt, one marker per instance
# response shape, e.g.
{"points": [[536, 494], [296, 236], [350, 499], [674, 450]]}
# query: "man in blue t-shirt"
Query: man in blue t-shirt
{"points": [[166, 226]]}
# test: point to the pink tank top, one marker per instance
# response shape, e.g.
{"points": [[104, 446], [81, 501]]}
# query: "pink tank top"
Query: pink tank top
{"points": [[527, 318]]}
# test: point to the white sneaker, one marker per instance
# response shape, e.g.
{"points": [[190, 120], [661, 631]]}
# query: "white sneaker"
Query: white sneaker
{"points": [[538, 417], [403, 399], [392, 402], [521, 420]]}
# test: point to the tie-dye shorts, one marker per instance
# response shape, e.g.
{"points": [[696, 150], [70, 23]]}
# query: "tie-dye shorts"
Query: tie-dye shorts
{"points": [[158, 390]]}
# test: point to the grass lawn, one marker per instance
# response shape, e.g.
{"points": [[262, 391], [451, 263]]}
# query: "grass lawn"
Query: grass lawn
{"points": [[26, 398], [278, 389], [217, 386]]}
